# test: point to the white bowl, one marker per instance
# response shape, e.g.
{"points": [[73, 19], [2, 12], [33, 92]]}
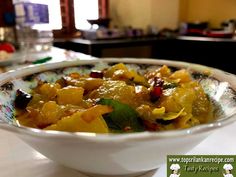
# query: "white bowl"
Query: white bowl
{"points": [[116, 154]]}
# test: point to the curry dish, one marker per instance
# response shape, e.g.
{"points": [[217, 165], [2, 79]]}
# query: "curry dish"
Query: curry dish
{"points": [[117, 99]]}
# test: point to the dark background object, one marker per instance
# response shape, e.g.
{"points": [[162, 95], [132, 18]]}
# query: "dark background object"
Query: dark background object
{"points": [[9, 18], [196, 29], [6, 13], [101, 22], [198, 25], [213, 52]]}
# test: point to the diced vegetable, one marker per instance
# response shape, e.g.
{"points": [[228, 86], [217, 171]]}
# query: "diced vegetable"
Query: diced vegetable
{"points": [[165, 71], [181, 75], [122, 92], [51, 113], [171, 115], [138, 78], [70, 95], [49, 90], [159, 111], [92, 83], [110, 72], [95, 111], [121, 72], [75, 123]]}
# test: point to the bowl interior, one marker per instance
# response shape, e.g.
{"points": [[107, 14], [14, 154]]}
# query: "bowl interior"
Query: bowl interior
{"points": [[218, 87]]}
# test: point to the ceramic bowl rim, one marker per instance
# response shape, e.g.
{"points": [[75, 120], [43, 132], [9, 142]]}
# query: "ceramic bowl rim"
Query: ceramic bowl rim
{"points": [[203, 128]]}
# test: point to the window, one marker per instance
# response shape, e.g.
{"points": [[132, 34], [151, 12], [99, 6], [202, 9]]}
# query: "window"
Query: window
{"points": [[54, 9], [83, 10], [68, 16]]}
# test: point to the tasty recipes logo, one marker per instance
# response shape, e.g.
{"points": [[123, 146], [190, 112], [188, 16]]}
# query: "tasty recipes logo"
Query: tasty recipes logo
{"points": [[201, 166]]}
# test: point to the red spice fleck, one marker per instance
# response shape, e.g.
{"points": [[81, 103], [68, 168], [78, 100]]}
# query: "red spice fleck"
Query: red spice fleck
{"points": [[96, 74], [155, 93]]}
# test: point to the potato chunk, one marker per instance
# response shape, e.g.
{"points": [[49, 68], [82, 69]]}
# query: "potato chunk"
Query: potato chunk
{"points": [[118, 67], [182, 97], [92, 113], [70, 95], [78, 122], [49, 90], [181, 75], [50, 113]]}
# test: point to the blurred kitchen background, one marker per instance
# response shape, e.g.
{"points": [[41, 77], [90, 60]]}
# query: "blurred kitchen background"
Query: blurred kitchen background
{"points": [[198, 31]]}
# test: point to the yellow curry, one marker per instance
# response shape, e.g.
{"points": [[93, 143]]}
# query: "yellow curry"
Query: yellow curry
{"points": [[116, 100]]}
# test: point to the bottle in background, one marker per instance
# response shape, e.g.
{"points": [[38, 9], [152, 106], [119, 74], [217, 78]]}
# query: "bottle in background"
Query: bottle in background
{"points": [[33, 36]]}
